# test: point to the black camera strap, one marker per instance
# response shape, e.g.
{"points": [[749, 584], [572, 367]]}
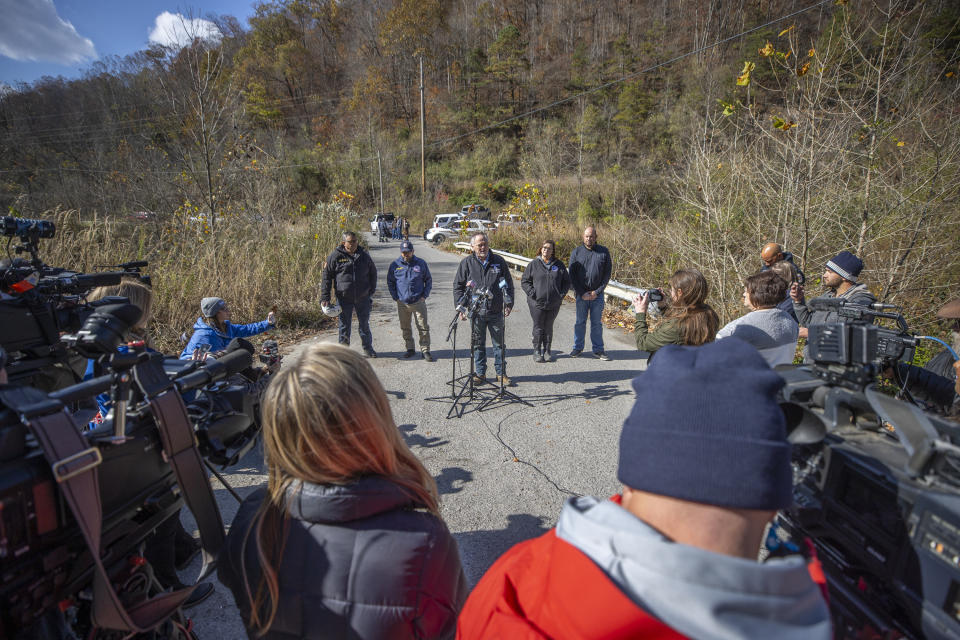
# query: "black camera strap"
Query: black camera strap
{"points": [[74, 464], [179, 444]]}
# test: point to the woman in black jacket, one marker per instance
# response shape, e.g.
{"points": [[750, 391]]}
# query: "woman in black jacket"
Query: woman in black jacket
{"points": [[345, 541], [546, 282]]}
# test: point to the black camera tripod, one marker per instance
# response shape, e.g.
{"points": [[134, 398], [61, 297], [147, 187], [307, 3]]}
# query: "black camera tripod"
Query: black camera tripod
{"points": [[465, 389]]}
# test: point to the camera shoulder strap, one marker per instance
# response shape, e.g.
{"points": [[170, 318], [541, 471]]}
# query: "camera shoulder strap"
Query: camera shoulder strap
{"points": [[179, 443], [74, 464]]}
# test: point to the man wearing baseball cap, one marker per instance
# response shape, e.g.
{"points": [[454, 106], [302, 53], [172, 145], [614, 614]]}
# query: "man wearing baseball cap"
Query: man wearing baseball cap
{"points": [[840, 276], [705, 465], [409, 282]]}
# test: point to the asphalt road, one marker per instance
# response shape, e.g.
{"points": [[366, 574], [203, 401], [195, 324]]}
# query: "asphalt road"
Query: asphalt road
{"points": [[503, 472]]}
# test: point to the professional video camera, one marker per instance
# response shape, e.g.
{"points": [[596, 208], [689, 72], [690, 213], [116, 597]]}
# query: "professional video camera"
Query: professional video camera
{"points": [[876, 481], [39, 302], [76, 504]]}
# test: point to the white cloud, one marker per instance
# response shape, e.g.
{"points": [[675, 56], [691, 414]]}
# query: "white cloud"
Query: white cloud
{"points": [[31, 30], [177, 30]]}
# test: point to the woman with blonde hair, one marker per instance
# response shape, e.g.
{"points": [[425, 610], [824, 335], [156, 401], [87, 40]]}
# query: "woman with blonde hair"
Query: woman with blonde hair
{"points": [[688, 321], [346, 540]]}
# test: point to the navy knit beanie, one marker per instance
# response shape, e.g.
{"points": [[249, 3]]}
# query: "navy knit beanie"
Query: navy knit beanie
{"points": [[846, 265], [706, 427]]}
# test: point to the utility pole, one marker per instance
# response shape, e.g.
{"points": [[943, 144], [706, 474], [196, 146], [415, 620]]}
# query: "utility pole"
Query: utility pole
{"points": [[423, 161], [380, 171]]}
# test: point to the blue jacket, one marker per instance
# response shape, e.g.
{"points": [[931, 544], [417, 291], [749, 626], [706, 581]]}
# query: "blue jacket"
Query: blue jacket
{"points": [[409, 282], [590, 269], [205, 334]]}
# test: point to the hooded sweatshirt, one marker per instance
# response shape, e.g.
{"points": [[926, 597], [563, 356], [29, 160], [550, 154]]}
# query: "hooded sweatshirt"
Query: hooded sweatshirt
{"points": [[632, 582]]}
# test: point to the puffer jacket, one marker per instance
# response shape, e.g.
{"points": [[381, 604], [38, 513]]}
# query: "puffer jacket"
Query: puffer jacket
{"points": [[218, 340], [545, 284], [352, 276], [361, 560]]}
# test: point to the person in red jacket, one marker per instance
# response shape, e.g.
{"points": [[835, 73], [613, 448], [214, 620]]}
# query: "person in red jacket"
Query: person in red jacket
{"points": [[705, 465]]}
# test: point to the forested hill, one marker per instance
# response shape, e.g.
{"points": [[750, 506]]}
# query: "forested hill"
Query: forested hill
{"points": [[693, 131]]}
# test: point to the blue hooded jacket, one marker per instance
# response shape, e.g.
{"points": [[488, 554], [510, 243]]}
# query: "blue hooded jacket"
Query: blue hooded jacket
{"points": [[205, 334], [409, 281]]}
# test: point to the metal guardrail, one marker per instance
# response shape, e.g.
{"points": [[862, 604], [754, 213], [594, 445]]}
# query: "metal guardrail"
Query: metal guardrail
{"points": [[613, 289]]}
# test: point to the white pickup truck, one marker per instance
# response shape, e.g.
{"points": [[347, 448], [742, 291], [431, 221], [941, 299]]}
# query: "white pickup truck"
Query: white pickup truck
{"points": [[438, 234]]}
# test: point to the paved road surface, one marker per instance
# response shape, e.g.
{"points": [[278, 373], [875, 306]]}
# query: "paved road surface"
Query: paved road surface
{"points": [[503, 473]]}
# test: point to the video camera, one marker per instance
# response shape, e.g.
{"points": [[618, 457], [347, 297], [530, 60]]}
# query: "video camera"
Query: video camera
{"points": [[76, 504], [876, 481], [39, 302]]}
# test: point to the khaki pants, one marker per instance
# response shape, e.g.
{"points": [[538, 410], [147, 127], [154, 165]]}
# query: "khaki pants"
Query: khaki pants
{"points": [[419, 312]]}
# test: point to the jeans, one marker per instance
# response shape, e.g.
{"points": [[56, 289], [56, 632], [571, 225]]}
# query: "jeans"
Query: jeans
{"points": [[595, 309], [481, 325], [362, 307]]}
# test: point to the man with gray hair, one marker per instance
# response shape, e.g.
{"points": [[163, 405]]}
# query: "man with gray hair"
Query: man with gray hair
{"points": [[487, 274]]}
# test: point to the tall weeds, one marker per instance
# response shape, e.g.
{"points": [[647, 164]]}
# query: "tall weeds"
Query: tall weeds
{"points": [[255, 265]]}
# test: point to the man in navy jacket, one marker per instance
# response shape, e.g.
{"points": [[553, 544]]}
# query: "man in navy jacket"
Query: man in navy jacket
{"points": [[590, 270], [409, 282]]}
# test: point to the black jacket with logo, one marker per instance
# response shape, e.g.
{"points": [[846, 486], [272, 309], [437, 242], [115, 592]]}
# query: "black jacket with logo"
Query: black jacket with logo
{"points": [[545, 284], [485, 278], [354, 277]]}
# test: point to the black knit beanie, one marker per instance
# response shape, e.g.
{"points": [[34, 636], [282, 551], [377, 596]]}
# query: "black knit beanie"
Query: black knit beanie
{"points": [[706, 428]]}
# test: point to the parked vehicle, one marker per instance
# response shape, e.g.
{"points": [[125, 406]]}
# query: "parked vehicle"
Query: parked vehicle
{"points": [[375, 220], [475, 211], [512, 220], [438, 235]]}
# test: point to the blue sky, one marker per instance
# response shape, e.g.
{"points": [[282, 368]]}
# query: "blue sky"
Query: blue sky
{"points": [[63, 37]]}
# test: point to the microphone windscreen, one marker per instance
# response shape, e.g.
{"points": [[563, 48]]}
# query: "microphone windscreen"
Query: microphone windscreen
{"points": [[126, 313], [240, 343]]}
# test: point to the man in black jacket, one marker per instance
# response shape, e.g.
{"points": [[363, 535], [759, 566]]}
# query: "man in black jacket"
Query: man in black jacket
{"points": [[590, 270], [486, 272], [351, 272]]}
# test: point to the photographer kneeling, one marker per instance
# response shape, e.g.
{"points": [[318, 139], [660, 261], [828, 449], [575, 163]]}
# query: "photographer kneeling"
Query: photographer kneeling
{"points": [[214, 329]]}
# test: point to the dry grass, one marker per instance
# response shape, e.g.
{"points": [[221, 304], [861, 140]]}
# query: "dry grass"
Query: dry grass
{"points": [[253, 266]]}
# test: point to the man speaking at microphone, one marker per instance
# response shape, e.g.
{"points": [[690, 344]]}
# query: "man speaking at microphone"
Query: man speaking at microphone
{"points": [[491, 278]]}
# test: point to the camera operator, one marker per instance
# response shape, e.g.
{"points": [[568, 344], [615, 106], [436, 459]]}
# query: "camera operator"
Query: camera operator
{"points": [[840, 276], [689, 320], [705, 465], [491, 275], [214, 331]]}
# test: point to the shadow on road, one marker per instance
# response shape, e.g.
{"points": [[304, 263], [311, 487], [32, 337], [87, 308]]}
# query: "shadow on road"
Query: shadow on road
{"points": [[452, 480], [416, 440], [480, 549]]}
